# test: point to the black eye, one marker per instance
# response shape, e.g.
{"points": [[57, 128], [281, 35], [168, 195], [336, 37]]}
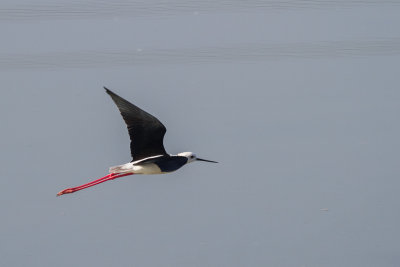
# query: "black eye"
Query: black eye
{"points": [[191, 156]]}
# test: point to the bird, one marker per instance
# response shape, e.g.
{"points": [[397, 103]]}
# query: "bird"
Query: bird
{"points": [[146, 134]]}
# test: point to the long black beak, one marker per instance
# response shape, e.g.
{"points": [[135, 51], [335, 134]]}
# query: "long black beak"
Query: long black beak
{"points": [[206, 160]]}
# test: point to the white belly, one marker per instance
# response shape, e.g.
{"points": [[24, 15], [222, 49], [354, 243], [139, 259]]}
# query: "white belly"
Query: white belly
{"points": [[148, 168]]}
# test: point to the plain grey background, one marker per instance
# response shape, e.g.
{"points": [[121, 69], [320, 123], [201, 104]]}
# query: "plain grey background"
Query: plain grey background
{"points": [[297, 100]]}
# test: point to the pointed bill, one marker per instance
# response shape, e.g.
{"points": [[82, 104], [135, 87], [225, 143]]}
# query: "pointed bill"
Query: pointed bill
{"points": [[206, 160]]}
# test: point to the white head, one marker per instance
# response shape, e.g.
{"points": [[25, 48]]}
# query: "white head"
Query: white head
{"points": [[192, 157]]}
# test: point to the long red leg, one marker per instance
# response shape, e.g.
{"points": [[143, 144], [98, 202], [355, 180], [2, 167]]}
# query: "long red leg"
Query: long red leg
{"points": [[110, 176]]}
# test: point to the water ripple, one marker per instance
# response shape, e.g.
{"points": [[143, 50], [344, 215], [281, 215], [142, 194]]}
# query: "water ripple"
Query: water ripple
{"points": [[243, 53], [99, 9]]}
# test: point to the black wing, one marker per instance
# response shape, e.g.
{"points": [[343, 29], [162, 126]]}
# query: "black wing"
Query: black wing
{"points": [[146, 131]]}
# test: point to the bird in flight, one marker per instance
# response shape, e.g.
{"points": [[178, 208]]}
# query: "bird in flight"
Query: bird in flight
{"points": [[147, 149]]}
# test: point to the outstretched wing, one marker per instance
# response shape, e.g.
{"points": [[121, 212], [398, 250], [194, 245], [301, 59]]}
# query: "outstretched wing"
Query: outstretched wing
{"points": [[146, 131]]}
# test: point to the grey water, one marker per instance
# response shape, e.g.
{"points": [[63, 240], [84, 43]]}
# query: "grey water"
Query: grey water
{"points": [[297, 100], [25, 10], [256, 52]]}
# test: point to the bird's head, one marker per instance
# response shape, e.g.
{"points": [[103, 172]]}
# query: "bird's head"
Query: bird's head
{"points": [[192, 157]]}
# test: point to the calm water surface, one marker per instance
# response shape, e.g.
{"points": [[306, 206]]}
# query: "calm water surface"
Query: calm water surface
{"points": [[298, 100]]}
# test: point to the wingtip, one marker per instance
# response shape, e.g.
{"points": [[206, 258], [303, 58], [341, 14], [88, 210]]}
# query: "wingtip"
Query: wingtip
{"points": [[108, 91]]}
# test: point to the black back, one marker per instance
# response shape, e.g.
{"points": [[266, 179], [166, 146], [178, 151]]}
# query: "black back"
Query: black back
{"points": [[146, 131]]}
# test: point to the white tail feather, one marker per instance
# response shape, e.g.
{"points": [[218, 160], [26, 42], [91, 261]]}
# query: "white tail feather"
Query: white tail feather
{"points": [[124, 168]]}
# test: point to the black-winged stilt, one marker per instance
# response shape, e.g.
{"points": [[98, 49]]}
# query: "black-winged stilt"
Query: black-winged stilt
{"points": [[148, 154]]}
